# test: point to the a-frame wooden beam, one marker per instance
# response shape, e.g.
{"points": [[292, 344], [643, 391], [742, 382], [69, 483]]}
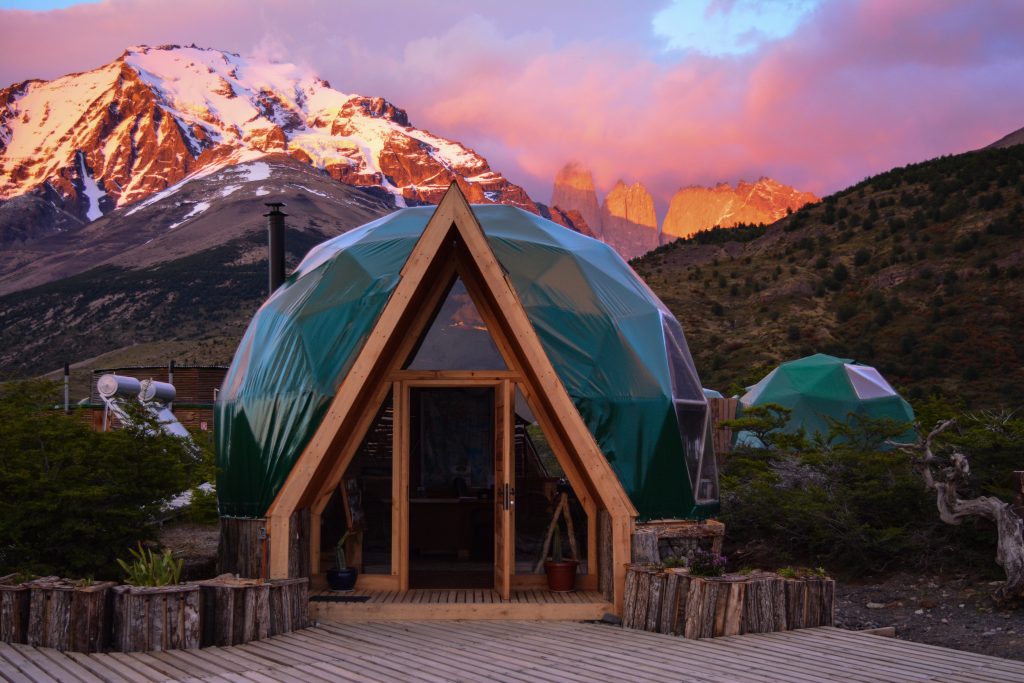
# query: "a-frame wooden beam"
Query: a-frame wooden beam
{"points": [[360, 394]]}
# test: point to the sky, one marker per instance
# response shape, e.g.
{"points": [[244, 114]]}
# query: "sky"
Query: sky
{"points": [[818, 94]]}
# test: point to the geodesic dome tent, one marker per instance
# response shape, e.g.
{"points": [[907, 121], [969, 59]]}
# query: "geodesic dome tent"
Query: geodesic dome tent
{"points": [[820, 386], [617, 350]]}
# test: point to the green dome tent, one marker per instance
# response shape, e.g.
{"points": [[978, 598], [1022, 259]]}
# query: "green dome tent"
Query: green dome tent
{"points": [[620, 354], [822, 386]]}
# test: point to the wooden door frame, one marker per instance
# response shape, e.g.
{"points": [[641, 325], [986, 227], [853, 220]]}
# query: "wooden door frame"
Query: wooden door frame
{"points": [[401, 458]]}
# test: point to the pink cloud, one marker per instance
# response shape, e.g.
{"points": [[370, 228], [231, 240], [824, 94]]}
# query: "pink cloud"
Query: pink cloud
{"points": [[861, 86]]}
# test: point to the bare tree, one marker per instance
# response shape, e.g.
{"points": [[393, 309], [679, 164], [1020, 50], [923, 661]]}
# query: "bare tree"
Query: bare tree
{"points": [[944, 478]]}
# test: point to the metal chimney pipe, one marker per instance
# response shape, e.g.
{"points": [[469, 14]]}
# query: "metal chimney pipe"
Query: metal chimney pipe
{"points": [[275, 243], [67, 387]]}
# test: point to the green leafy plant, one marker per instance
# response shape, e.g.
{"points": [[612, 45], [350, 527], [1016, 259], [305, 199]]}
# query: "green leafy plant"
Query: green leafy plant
{"points": [[339, 552], [151, 569], [673, 561], [556, 545]]}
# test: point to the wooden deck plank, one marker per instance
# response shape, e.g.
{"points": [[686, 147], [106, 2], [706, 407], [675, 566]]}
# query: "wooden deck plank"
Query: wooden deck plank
{"points": [[444, 651], [75, 671], [651, 648], [24, 659], [934, 656], [97, 666], [430, 651], [533, 654], [477, 648]]}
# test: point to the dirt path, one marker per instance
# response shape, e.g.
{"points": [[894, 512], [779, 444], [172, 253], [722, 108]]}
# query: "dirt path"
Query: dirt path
{"points": [[952, 611]]}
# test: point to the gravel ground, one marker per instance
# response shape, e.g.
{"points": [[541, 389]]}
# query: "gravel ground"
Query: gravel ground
{"points": [[952, 611], [194, 543]]}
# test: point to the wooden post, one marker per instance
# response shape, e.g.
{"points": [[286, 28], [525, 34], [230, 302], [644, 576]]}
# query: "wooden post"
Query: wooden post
{"points": [[67, 616], [289, 605], [645, 546], [705, 607], [605, 570], [156, 618], [14, 602], [235, 611], [242, 547]]}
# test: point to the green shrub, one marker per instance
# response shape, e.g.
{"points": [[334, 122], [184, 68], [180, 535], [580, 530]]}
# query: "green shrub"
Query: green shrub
{"points": [[74, 499], [855, 509]]}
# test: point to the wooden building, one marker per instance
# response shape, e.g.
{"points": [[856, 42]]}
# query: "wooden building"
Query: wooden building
{"points": [[431, 381]]}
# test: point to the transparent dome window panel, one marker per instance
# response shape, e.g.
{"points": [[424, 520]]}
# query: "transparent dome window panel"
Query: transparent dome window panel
{"points": [[538, 483], [685, 382], [362, 503], [867, 382], [457, 338], [692, 421], [706, 490]]}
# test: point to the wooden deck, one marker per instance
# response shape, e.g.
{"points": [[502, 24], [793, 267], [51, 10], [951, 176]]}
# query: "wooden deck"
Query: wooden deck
{"points": [[523, 651], [436, 605]]}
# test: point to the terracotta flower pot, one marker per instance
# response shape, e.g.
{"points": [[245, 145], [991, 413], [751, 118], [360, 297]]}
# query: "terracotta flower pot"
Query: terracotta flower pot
{"points": [[561, 575]]}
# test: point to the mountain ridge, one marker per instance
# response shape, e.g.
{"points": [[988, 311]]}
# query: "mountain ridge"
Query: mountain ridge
{"points": [[81, 145]]}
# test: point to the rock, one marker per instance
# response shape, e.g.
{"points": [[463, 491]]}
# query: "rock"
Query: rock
{"points": [[574, 191], [629, 224], [875, 605], [699, 208], [919, 611]]}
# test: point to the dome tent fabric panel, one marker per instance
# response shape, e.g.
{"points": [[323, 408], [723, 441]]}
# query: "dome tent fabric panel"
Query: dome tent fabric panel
{"points": [[819, 387], [599, 325]]}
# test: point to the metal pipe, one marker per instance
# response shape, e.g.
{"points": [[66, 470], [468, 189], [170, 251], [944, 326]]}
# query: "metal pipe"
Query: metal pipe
{"points": [[275, 244], [67, 388], [170, 380]]}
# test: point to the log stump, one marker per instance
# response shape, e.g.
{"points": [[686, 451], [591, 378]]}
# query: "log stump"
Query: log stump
{"points": [[673, 601], [156, 618], [234, 611], [14, 605], [289, 605], [69, 615]]}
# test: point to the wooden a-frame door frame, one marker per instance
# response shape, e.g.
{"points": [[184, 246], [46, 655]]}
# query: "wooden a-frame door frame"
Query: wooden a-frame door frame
{"points": [[323, 461]]}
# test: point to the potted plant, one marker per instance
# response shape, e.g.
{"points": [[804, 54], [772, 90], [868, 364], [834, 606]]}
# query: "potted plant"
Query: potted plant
{"points": [[343, 577], [154, 610], [561, 573]]}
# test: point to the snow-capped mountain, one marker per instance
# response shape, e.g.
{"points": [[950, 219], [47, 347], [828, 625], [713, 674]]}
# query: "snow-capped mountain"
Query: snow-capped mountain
{"points": [[77, 147]]}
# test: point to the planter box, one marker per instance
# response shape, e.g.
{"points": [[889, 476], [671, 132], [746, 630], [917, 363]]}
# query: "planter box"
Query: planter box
{"points": [[234, 611], [289, 605], [156, 618], [672, 601], [69, 615], [14, 603]]}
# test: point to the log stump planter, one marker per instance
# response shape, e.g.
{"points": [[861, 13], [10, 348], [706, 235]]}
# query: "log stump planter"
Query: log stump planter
{"points": [[156, 618], [235, 611], [14, 604], [69, 615], [289, 605], [673, 601]]}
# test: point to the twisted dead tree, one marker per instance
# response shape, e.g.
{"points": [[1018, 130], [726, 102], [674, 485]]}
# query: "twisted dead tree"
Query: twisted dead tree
{"points": [[944, 478]]}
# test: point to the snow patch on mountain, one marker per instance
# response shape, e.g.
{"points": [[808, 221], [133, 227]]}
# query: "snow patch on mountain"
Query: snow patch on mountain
{"points": [[92, 191]]}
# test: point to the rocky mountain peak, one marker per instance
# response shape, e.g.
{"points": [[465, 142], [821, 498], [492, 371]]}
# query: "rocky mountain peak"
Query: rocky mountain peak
{"points": [[632, 203], [697, 208], [90, 142], [574, 191]]}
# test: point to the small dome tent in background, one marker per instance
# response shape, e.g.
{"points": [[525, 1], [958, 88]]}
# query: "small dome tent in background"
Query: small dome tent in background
{"points": [[819, 387]]}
